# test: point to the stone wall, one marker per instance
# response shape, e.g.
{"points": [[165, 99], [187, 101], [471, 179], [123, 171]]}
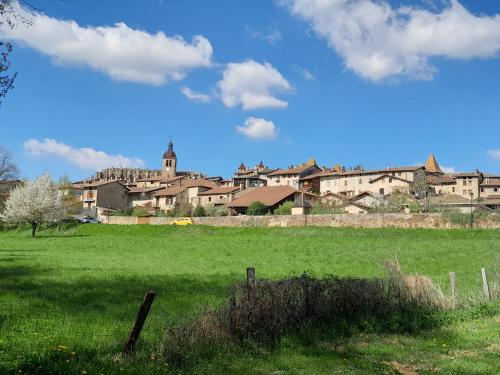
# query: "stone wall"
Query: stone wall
{"points": [[431, 220]]}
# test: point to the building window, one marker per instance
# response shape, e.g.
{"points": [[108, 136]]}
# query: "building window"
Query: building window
{"points": [[345, 182], [464, 182], [221, 197], [482, 190], [495, 190], [381, 191], [210, 199], [360, 181], [470, 183], [464, 192], [453, 189], [390, 180]]}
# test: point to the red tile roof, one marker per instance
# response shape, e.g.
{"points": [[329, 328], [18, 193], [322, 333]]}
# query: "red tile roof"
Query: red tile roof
{"points": [[185, 184], [269, 195], [221, 190]]}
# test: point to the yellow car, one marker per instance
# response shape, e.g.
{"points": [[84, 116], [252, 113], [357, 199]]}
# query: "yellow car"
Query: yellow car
{"points": [[186, 221]]}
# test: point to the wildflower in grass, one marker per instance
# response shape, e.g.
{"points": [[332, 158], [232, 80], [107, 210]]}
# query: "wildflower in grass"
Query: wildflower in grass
{"points": [[73, 353]]}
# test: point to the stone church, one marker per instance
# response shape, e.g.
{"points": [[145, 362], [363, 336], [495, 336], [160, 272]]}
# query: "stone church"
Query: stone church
{"points": [[132, 175]]}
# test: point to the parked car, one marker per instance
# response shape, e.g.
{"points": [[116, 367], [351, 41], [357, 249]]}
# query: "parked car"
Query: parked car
{"points": [[185, 221], [89, 220]]}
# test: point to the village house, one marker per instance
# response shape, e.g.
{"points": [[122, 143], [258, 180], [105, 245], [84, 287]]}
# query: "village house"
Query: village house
{"points": [[490, 185], [186, 192], [379, 181], [292, 175], [270, 196], [468, 183], [104, 194], [218, 196]]}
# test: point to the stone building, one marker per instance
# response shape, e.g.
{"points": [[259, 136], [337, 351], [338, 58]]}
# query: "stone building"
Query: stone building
{"points": [[246, 177], [128, 175], [104, 194], [292, 175]]}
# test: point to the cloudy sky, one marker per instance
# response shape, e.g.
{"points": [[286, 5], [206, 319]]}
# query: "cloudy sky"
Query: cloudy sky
{"points": [[106, 83]]}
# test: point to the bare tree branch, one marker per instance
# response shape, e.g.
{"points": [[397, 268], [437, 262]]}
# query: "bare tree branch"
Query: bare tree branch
{"points": [[8, 170]]}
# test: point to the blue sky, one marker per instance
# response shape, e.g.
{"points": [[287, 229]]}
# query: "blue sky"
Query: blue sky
{"points": [[278, 81]]}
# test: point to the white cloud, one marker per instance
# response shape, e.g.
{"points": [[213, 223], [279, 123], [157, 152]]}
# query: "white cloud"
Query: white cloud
{"points": [[305, 73], [273, 36], [258, 128], [448, 169], [85, 158], [119, 51], [195, 96], [378, 41], [252, 84], [495, 154]]}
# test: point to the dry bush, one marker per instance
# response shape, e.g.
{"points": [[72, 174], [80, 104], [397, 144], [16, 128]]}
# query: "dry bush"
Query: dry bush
{"points": [[276, 308], [415, 290]]}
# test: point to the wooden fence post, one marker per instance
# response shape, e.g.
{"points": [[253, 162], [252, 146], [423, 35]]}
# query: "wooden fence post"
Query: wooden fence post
{"points": [[453, 282], [251, 282], [486, 288], [139, 321]]}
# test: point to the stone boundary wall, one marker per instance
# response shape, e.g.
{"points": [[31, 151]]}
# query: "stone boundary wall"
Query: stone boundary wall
{"points": [[430, 220]]}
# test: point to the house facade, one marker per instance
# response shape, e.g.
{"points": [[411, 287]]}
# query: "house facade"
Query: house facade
{"points": [[106, 194], [292, 175]]}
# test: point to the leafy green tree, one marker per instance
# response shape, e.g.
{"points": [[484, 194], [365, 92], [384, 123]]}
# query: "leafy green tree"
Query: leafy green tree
{"points": [[257, 208], [284, 209], [199, 211]]}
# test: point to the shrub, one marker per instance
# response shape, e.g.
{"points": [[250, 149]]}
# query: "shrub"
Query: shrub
{"points": [[455, 216], [284, 209], [212, 210], [181, 209], [125, 212], [139, 212], [397, 303], [199, 211], [257, 208], [326, 209]]}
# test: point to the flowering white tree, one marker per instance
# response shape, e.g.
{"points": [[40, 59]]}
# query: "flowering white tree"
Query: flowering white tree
{"points": [[34, 202]]}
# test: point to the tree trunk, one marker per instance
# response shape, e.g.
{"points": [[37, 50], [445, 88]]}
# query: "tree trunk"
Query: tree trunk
{"points": [[33, 228]]}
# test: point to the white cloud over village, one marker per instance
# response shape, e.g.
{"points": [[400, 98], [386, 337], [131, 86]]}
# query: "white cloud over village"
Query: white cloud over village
{"points": [[495, 154], [252, 85], [194, 96], [123, 53], [258, 128], [84, 158], [377, 41]]}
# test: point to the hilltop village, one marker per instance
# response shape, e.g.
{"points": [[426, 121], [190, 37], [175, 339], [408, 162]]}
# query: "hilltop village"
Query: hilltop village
{"points": [[355, 190]]}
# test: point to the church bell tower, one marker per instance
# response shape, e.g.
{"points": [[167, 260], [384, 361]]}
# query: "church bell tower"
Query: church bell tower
{"points": [[169, 163]]}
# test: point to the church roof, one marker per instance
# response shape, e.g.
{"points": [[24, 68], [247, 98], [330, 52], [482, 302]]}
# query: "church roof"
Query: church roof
{"points": [[170, 154], [431, 165]]}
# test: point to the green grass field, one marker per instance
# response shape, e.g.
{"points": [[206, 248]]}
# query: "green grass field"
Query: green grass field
{"points": [[68, 300]]}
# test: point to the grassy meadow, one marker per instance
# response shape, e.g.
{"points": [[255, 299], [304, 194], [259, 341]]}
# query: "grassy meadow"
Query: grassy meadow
{"points": [[68, 299]]}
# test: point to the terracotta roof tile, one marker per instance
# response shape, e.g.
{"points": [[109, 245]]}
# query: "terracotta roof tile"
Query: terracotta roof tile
{"points": [[221, 190], [269, 195], [186, 184]]}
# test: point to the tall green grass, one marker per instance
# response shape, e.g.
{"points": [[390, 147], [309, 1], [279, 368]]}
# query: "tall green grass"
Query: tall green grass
{"points": [[80, 289]]}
